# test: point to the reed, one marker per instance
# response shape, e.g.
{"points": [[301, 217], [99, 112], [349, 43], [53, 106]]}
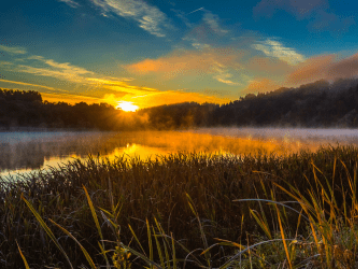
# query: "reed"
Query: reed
{"points": [[185, 211]]}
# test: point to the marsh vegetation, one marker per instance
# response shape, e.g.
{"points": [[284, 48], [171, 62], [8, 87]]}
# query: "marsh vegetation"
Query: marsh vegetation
{"points": [[186, 211]]}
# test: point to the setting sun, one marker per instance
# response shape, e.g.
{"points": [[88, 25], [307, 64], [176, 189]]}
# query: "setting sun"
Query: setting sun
{"points": [[127, 106]]}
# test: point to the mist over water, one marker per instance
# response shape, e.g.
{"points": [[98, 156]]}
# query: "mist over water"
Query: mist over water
{"points": [[304, 135], [22, 152]]}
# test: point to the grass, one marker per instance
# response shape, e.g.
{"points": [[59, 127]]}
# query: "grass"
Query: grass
{"points": [[186, 211]]}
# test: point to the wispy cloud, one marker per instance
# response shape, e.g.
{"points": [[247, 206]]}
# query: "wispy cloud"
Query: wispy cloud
{"points": [[148, 17], [276, 49], [71, 3], [67, 67], [212, 21], [207, 32], [223, 74], [216, 62], [118, 86], [225, 78], [79, 75], [51, 68], [30, 84], [13, 50], [5, 64], [58, 74]]}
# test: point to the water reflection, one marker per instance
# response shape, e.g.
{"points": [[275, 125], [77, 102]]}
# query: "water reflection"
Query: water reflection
{"points": [[24, 151]]}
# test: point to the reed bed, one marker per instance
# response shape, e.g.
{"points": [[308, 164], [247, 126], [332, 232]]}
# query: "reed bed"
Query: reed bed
{"points": [[185, 211]]}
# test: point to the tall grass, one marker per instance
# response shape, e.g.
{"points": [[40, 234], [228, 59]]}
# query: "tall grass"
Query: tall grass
{"points": [[185, 211]]}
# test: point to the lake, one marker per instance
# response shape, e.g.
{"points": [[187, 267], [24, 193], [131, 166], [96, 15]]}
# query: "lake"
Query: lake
{"points": [[23, 152]]}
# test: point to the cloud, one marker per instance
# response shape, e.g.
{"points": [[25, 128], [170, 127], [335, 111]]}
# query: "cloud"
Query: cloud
{"points": [[298, 8], [260, 85], [58, 74], [119, 86], [181, 15], [71, 3], [83, 77], [330, 21], [4, 63], [311, 70], [276, 49], [224, 77], [13, 50], [65, 67], [63, 71], [268, 66], [148, 17], [306, 9], [208, 32], [223, 74], [29, 84], [212, 21], [325, 67], [189, 62]]}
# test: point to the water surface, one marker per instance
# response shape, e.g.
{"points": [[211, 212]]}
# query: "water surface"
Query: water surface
{"points": [[22, 152]]}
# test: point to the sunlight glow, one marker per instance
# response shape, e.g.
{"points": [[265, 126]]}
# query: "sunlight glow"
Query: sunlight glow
{"points": [[127, 106]]}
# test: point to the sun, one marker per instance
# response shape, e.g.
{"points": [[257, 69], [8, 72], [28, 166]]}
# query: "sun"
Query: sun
{"points": [[127, 106]]}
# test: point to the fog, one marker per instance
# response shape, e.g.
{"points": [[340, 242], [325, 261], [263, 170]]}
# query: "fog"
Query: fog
{"points": [[304, 135], [27, 151]]}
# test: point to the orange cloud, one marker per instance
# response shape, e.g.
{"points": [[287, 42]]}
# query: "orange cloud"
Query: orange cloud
{"points": [[313, 69], [261, 85], [324, 67], [189, 62], [345, 68], [268, 66]]}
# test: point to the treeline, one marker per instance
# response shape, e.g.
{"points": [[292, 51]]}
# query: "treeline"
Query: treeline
{"points": [[27, 109], [319, 104]]}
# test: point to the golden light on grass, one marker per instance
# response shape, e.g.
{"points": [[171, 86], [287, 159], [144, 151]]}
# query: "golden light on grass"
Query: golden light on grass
{"points": [[127, 106]]}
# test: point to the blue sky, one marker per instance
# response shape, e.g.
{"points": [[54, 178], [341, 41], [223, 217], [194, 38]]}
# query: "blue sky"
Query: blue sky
{"points": [[162, 52]]}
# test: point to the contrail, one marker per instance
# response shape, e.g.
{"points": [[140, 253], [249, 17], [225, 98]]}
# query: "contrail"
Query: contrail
{"points": [[201, 8]]}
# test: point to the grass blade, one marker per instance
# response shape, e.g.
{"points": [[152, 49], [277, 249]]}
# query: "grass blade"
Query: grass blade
{"points": [[22, 256], [88, 257], [47, 230]]}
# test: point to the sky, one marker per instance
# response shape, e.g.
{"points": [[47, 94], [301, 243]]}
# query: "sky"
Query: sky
{"points": [[160, 52]]}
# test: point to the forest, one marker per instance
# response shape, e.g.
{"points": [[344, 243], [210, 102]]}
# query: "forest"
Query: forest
{"points": [[320, 104]]}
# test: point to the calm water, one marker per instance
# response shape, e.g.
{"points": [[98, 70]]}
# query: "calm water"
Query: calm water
{"points": [[22, 152]]}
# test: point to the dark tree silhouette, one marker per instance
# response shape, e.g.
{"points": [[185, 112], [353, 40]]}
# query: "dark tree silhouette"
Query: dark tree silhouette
{"points": [[318, 104]]}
